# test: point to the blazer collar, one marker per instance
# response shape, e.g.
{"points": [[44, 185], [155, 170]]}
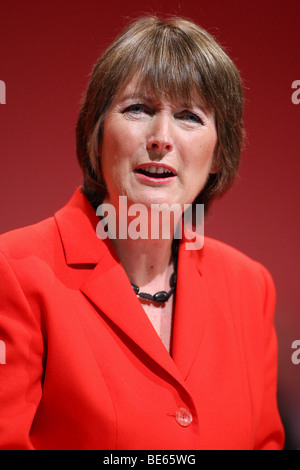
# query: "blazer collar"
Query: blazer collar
{"points": [[108, 288], [77, 222]]}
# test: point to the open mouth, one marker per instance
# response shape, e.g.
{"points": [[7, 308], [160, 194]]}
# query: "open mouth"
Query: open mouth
{"points": [[158, 172]]}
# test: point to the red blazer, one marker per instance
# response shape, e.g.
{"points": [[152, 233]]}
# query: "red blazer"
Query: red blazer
{"points": [[85, 369]]}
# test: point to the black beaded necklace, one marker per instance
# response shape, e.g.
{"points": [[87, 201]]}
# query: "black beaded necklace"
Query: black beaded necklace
{"points": [[162, 296]]}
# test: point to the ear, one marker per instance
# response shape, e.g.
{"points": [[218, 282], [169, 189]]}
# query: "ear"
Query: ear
{"points": [[215, 165]]}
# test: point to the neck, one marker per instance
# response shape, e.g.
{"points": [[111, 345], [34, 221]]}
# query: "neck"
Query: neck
{"points": [[146, 262]]}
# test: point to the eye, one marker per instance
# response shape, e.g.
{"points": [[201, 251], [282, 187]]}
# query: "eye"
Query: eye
{"points": [[190, 117], [137, 109]]}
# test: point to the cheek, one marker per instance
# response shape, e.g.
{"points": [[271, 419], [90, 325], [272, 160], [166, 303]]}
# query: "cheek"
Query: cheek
{"points": [[200, 156], [208, 149], [120, 139], [109, 153], [108, 145]]}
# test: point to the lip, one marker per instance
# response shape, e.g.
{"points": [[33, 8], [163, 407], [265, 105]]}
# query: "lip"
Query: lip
{"points": [[152, 180]]}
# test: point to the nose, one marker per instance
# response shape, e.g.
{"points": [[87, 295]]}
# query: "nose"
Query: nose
{"points": [[160, 139]]}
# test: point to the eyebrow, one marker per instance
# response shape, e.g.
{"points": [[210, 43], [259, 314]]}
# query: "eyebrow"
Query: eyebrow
{"points": [[137, 96]]}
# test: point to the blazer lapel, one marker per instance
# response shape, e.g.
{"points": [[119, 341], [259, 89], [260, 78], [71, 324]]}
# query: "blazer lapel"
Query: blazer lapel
{"points": [[191, 309], [107, 285], [110, 291]]}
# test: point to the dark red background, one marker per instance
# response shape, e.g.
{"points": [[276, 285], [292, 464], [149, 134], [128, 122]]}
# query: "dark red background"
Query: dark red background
{"points": [[47, 49]]}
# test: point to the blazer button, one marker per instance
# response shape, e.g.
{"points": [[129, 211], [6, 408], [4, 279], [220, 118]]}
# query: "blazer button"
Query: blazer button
{"points": [[183, 417]]}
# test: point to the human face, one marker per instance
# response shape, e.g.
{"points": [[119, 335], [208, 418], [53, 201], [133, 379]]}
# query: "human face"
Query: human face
{"points": [[143, 135]]}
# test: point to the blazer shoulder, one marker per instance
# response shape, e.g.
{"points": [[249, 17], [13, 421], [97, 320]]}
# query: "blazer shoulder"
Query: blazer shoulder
{"points": [[237, 265], [215, 249], [33, 239]]}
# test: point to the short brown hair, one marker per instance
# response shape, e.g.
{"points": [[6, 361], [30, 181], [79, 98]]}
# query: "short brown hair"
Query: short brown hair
{"points": [[175, 58]]}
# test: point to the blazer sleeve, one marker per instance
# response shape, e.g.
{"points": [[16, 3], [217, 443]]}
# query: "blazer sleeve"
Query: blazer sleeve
{"points": [[270, 433], [21, 372]]}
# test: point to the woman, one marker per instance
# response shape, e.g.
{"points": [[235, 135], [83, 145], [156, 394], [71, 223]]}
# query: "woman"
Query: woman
{"points": [[120, 341]]}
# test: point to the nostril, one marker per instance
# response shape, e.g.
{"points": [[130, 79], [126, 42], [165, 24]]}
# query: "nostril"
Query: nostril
{"points": [[160, 146]]}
